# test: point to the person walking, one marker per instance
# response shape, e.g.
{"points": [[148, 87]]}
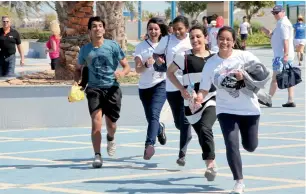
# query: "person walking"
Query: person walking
{"points": [[101, 57], [9, 38], [300, 38], [53, 44]]}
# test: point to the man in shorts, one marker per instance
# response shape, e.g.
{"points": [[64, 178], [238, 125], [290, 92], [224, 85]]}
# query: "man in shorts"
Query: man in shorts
{"points": [[243, 30], [101, 58]]}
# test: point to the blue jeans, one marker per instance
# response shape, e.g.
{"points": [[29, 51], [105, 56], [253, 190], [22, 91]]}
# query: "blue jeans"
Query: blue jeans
{"points": [[153, 100], [176, 103], [7, 65]]}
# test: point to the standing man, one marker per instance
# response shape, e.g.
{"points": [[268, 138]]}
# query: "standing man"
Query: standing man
{"points": [[101, 57], [243, 30], [9, 38], [282, 45]]}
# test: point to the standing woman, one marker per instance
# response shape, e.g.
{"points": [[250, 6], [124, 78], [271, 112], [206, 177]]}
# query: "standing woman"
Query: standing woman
{"points": [[191, 63], [152, 85], [53, 44], [300, 38], [236, 105], [163, 55]]}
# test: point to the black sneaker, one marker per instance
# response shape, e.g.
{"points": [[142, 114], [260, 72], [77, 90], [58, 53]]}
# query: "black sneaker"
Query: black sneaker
{"points": [[289, 104], [162, 139], [181, 161], [265, 103]]}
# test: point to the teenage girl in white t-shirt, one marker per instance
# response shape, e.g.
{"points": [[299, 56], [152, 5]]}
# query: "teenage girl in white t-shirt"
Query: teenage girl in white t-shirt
{"points": [[164, 53], [233, 107], [152, 84]]}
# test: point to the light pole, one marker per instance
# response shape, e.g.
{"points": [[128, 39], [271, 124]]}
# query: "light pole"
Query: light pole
{"points": [[231, 12], [139, 20], [173, 10]]}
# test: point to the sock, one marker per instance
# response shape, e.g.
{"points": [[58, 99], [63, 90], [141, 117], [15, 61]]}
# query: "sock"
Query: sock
{"points": [[98, 154], [109, 138]]}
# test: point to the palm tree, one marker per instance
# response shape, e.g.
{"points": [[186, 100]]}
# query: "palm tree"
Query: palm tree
{"points": [[73, 17], [112, 13]]}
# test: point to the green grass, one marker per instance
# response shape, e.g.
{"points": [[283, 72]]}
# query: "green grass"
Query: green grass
{"points": [[132, 79]]}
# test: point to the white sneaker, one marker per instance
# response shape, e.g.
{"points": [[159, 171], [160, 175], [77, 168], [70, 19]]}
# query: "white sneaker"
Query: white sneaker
{"points": [[97, 162], [111, 148], [238, 188]]}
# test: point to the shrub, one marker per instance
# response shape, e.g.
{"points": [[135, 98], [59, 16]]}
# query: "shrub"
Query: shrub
{"points": [[42, 36], [258, 39]]}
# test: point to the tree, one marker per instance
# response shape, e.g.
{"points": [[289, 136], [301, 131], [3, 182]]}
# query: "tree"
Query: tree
{"points": [[129, 6], [112, 13], [252, 7], [73, 17], [49, 18], [168, 13], [192, 8], [24, 9]]}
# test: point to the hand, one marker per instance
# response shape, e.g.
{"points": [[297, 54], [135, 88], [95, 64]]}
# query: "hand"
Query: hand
{"points": [[150, 61], [185, 94], [22, 62], [239, 75], [160, 61], [46, 51], [75, 83], [119, 74], [199, 99]]}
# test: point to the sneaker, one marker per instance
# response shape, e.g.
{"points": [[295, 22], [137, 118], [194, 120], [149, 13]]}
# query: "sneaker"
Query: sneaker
{"points": [[210, 174], [238, 188], [97, 162], [162, 139], [265, 103], [149, 152], [181, 161], [111, 148], [289, 104]]}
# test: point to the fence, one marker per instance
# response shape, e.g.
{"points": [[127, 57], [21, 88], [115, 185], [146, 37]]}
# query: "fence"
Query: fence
{"points": [[293, 11]]}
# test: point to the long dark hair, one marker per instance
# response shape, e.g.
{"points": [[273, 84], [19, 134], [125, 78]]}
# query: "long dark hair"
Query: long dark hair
{"points": [[162, 25], [237, 44]]}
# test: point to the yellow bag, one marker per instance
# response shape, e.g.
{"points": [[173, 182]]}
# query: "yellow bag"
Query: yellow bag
{"points": [[76, 94]]}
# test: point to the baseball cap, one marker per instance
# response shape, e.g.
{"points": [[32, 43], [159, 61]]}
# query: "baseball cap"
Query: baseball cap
{"points": [[277, 8]]}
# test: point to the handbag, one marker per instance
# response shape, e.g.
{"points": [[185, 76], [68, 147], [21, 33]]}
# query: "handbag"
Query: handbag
{"points": [[162, 67], [288, 77]]}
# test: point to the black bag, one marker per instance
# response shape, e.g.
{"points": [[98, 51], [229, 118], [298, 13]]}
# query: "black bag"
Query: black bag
{"points": [[162, 67], [288, 77]]}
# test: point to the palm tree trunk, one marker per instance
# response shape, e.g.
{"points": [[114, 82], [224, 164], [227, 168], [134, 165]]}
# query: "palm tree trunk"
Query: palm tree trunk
{"points": [[111, 13], [73, 17]]}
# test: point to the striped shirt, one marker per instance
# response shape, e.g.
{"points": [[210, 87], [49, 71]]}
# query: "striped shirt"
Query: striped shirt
{"points": [[192, 67]]}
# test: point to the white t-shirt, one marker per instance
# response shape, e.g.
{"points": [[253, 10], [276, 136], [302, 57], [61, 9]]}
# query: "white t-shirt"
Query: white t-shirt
{"points": [[244, 27], [212, 39], [175, 46], [283, 31], [149, 77], [229, 100]]}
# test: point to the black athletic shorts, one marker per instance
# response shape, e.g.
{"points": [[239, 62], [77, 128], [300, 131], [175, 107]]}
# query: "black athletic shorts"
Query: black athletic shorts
{"points": [[244, 36], [108, 99]]}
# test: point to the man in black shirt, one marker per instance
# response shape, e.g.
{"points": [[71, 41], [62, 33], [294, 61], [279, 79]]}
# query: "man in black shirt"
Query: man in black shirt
{"points": [[9, 38]]}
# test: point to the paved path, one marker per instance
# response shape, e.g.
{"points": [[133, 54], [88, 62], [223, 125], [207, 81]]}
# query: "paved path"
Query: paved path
{"points": [[58, 160]]}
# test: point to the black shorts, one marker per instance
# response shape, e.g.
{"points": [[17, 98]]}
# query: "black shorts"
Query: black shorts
{"points": [[244, 36], [54, 63], [107, 99]]}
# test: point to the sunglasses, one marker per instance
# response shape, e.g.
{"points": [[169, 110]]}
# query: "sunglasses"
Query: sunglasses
{"points": [[275, 13], [5, 21]]}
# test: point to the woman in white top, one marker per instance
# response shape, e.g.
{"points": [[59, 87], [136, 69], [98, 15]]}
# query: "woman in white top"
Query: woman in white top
{"points": [[233, 107], [152, 84], [163, 54], [243, 30], [203, 117]]}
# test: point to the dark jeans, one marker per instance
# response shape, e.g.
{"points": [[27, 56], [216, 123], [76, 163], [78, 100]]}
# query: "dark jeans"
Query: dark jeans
{"points": [[203, 128], [7, 65], [176, 103], [153, 100], [231, 125]]}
